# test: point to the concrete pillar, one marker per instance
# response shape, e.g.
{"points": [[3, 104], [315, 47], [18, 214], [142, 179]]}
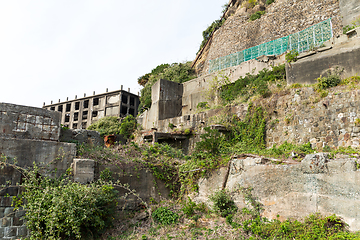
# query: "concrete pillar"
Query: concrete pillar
{"points": [[93, 92], [75, 96], [107, 89]]}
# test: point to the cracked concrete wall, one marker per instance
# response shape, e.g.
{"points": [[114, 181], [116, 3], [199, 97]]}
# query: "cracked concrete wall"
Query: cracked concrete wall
{"points": [[291, 190]]}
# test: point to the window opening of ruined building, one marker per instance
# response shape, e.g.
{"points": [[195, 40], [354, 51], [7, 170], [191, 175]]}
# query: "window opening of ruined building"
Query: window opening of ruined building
{"points": [[123, 110], [74, 126], [96, 101], [67, 118], [132, 111], [94, 113], [60, 108], [52, 108], [132, 101], [84, 116], [68, 107], [77, 105], [86, 103], [124, 99], [76, 116], [83, 126], [66, 125]]}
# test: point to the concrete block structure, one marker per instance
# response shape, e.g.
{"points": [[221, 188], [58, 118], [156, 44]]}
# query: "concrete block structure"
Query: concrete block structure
{"points": [[81, 113], [28, 135]]}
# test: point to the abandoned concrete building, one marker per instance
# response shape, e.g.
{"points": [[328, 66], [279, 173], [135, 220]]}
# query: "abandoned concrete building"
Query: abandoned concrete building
{"points": [[81, 113]]}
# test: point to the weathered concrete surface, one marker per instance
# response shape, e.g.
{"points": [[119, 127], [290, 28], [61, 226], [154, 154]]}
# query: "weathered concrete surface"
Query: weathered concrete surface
{"points": [[58, 155], [291, 191], [350, 11], [345, 57], [84, 170], [81, 136], [141, 180], [28, 122]]}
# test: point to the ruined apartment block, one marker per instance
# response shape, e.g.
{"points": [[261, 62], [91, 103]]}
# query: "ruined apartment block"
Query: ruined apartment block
{"points": [[81, 113]]}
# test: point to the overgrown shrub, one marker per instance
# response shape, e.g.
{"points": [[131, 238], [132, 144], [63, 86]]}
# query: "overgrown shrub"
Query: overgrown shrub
{"points": [[212, 141], [61, 209], [256, 15], [268, 2], [223, 204], [106, 126], [251, 85], [291, 56], [327, 82], [128, 126], [203, 105], [113, 125], [165, 216]]}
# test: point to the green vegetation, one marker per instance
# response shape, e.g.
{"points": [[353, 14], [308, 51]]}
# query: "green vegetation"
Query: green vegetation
{"points": [[203, 105], [112, 125], [176, 72], [209, 30], [251, 85], [291, 56], [268, 2], [57, 208], [223, 204], [106, 126], [249, 3], [256, 15], [354, 24], [163, 215], [327, 82], [128, 126]]}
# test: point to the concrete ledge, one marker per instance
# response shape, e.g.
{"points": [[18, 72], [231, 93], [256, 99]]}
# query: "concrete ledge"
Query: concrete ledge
{"points": [[307, 70]]}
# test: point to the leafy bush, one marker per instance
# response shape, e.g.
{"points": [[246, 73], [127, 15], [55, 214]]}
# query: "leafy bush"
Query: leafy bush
{"points": [[212, 141], [61, 209], [291, 56], [112, 125], [268, 2], [203, 105], [128, 126], [327, 82], [106, 126], [256, 15], [251, 85], [223, 204], [165, 216]]}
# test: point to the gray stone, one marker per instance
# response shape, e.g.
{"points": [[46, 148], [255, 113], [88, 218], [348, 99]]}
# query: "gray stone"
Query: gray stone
{"points": [[6, 222], [10, 232], [315, 163], [22, 231], [84, 170]]}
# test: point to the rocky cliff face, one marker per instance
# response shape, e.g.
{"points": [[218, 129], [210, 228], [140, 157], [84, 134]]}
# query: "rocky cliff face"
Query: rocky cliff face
{"points": [[293, 189], [283, 17]]}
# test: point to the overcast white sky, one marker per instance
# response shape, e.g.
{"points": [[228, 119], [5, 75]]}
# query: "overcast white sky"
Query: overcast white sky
{"points": [[53, 49]]}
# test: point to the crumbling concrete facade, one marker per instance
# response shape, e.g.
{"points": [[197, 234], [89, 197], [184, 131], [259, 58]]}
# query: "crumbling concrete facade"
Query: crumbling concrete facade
{"points": [[81, 113]]}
